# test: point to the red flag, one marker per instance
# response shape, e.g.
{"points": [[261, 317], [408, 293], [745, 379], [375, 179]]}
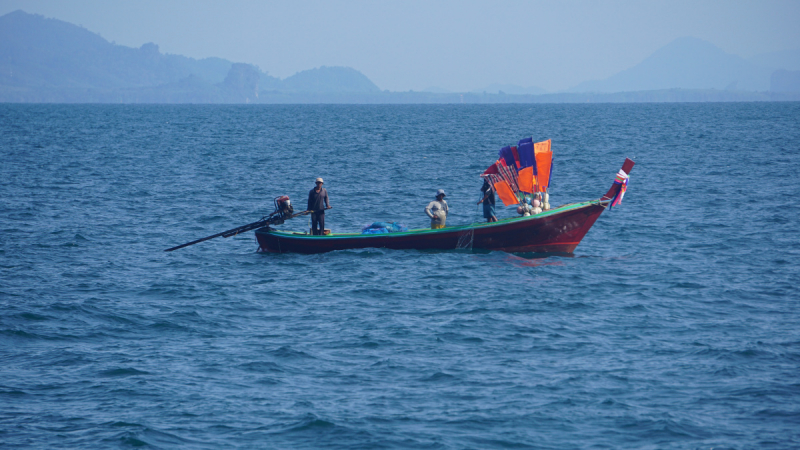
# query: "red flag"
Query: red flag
{"points": [[491, 170], [516, 156]]}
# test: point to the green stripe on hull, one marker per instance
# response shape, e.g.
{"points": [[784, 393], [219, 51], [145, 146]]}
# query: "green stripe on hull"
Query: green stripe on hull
{"points": [[560, 209]]}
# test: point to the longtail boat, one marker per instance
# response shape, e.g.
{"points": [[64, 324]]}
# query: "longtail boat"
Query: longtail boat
{"points": [[557, 230]]}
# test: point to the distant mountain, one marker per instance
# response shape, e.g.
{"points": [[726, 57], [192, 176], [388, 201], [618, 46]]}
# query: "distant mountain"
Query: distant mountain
{"points": [[686, 63], [329, 79], [48, 60], [785, 81], [40, 52], [512, 89], [785, 59]]}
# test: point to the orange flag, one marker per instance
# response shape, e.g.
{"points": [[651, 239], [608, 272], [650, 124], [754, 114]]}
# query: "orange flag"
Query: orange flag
{"points": [[544, 160], [526, 178], [543, 146], [505, 193]]}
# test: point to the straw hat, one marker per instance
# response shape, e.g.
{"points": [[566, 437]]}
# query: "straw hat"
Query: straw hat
{"points": [[319, 180]]}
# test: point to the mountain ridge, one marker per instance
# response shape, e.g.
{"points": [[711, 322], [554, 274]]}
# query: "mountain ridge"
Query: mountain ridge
{"points": [[49, 60], [685, 63], [51, 53], [38, 53]]}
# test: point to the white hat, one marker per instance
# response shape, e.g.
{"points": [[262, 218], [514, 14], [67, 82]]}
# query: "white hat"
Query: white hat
{"points": [[440, 192], [319, 180]]}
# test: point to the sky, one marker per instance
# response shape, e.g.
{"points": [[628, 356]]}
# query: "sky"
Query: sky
{"points": [[413, 45]]}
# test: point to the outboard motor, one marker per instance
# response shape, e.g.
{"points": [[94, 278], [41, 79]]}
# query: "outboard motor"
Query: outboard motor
{"points": [[283, 208]]}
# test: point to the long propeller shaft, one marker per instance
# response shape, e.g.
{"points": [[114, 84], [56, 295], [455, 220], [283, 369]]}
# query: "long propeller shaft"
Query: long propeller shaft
{"points": [[269, 220]]}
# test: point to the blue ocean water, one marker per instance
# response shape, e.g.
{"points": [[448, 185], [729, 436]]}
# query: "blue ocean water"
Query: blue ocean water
{"points": [[674, 325]]}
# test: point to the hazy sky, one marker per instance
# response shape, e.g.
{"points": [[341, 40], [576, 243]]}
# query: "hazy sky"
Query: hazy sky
{"points": [[457, 45]]}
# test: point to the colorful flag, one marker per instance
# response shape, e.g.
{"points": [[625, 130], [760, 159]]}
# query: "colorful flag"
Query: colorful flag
{"points": [[516, 156], [505, 193], [525, 151], [544, 159], [526, 178], [491, 170], [507, 156]]}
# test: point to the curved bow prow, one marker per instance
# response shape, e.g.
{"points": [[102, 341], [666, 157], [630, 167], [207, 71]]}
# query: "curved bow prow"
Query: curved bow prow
{"points": [[626, 168]]}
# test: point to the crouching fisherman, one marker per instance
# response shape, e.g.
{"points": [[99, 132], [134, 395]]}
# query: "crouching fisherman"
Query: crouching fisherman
{"points": [[318, 202], [437, 210]]}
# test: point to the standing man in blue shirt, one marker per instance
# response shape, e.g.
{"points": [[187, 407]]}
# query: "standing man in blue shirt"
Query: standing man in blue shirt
{"points": [[318, 202]]}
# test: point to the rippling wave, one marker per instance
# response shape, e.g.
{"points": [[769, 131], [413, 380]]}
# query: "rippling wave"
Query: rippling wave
{"points": [[674, 325]]}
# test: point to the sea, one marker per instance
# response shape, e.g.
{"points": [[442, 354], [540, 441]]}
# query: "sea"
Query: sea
{"points": [[674, 325]]}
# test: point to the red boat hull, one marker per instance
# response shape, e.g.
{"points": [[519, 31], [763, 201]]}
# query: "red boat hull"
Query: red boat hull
{"points": [[553, 232]]}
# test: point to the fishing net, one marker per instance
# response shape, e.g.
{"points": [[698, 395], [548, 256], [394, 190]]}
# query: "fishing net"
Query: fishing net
{"points": [[383, 227], [465, 239]]}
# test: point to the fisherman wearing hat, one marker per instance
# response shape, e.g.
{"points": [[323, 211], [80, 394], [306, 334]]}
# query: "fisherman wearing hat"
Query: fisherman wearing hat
{"points": [[437, 210], [318, 202], [488, 202]]}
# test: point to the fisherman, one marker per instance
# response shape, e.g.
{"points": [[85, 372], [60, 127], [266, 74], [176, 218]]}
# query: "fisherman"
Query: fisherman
{"points": [[488, 201], [318, 202], [437, 210]]}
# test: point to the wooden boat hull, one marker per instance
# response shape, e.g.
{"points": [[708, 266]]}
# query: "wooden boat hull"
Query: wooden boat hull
{"points": [[556, 231]]}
